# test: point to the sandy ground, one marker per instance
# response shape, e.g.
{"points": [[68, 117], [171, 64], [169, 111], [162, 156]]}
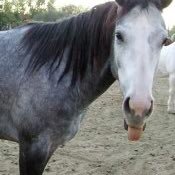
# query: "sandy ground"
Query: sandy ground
{"points": [[101, 146]]}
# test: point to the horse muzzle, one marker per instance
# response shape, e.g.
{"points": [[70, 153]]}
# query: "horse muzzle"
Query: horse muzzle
{"points": [[134, 133], [136, 111]]}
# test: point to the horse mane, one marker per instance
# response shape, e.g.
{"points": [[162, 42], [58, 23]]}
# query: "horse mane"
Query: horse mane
{"points": [[88, 36]]}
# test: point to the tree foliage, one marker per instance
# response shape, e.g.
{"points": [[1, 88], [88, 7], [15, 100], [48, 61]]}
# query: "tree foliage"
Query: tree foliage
{"points": [[16, 12], [51, 14]]}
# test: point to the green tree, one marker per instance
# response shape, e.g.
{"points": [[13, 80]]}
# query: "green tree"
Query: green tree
{"points": [[51, 14], [71, 10], [17, 12], [9, 18]]}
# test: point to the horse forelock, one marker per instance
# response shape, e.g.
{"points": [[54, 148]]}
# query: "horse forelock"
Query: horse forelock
{"points": [[88, 37], [130, 4]]}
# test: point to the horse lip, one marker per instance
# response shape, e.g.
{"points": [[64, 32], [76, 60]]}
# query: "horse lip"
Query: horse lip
{"points": [[126, 126]]}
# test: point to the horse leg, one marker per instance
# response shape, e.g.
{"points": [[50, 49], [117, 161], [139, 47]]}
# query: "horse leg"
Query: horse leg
{"points": [[171, 100], [34, 155]]}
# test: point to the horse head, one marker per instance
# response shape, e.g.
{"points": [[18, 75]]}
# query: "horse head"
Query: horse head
{"points": [[140, 34]]}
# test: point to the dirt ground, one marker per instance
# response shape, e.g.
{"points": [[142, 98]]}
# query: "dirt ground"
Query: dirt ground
{"points": [[101, 147]]}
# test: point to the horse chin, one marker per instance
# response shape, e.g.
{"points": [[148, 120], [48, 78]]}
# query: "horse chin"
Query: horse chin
{"points": [[134, 132]]}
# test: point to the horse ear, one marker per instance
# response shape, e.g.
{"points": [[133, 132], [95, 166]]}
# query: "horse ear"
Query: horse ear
{"points": [[166, 3]]}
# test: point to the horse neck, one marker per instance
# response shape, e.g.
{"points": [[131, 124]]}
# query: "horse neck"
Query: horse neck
{"points": [[105, 80], [95, 85]]}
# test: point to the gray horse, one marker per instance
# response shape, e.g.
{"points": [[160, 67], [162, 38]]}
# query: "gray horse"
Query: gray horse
{"points": [[51, 72]]}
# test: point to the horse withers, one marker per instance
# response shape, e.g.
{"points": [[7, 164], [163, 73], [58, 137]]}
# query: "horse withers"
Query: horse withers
{"points": [[51, 72]]}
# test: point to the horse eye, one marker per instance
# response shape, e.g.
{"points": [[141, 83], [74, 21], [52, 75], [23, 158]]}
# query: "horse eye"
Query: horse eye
{"points": [[167, 42], [119, 37]]}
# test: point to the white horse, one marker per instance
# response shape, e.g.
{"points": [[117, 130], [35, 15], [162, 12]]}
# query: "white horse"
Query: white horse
{"points": [[167, 65]]}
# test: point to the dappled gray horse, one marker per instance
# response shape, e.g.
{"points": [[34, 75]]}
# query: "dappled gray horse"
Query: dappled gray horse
{"points": [[51, 72]]}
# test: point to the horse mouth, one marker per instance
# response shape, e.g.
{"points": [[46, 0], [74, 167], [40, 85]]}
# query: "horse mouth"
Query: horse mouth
{"points": [[126, 126], [134, 133]]}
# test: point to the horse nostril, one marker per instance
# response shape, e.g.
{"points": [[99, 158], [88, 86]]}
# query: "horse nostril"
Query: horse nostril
{"points": [[126, 105], [138, 108]]}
